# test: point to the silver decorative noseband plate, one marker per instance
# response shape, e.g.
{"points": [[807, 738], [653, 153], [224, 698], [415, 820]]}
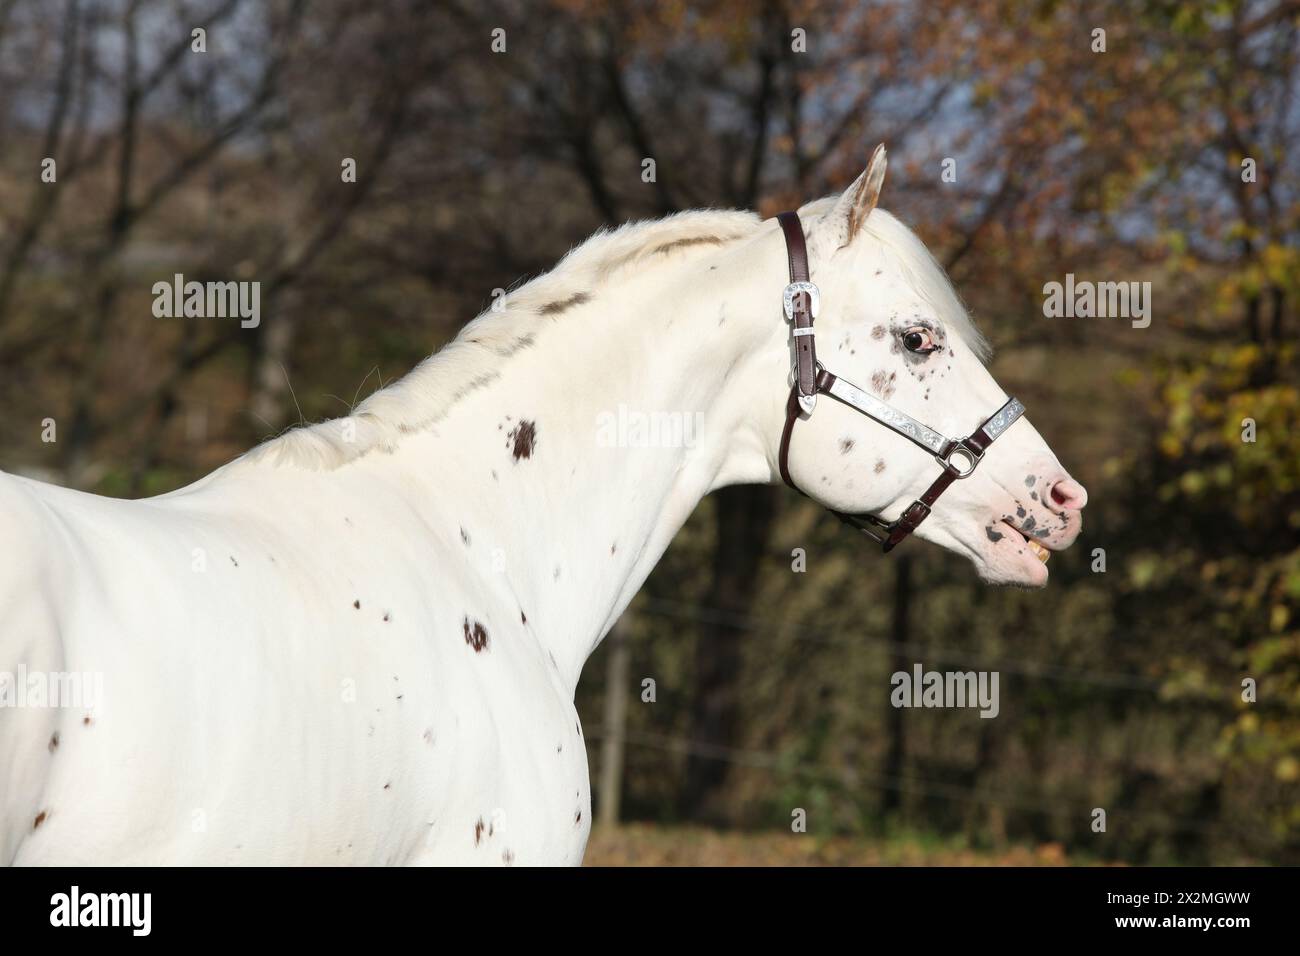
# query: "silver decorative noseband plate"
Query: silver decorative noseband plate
{"points": [[1003, 420], [889, 416]]}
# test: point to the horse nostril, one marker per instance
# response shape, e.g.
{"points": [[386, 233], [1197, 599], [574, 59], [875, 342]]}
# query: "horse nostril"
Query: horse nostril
{"points": [[1068, 495]]}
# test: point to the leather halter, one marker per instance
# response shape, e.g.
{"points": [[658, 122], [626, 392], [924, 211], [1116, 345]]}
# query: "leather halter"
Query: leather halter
{"points": [[959, 457]]}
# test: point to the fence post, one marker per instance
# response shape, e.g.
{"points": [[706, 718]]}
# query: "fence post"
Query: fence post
{"points": [[614, 721], [899, 637]]}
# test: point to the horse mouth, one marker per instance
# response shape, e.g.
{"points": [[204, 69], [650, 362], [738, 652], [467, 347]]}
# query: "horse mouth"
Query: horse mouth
{"points": [[1037, 549], [1032, 557]]}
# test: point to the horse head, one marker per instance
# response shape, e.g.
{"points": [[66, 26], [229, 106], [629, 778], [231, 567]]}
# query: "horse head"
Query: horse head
{"points": [[883, 452]]}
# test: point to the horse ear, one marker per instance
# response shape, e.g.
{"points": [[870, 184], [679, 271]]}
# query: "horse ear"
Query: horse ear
{"points": [[856, 203]]}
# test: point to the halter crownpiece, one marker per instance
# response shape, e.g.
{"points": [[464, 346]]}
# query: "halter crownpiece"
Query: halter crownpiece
{"points": [[959, 457]]}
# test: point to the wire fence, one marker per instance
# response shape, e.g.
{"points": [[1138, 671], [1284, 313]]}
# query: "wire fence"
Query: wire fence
{"points": [[909, 783], [694, 613], [914, 785]]}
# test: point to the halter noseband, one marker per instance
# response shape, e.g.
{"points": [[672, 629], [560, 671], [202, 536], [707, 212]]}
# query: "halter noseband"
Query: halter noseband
{"points": [[959, 457]]}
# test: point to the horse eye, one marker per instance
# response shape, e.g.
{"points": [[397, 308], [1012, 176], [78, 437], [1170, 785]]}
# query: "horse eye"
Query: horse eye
{"points": [[918, 340]]}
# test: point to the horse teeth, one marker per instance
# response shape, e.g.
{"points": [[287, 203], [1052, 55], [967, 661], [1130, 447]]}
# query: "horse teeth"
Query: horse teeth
{"points": [[1041, 553]]}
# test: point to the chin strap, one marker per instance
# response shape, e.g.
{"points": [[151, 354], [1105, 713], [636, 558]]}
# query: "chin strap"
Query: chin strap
{"points": [[958, 457]]}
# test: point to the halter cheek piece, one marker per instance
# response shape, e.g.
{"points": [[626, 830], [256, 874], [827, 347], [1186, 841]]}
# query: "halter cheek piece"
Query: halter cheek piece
{"points": [[959, 457]]}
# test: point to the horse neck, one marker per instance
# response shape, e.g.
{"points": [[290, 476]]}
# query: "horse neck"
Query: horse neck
{"points": [[567, 475]]}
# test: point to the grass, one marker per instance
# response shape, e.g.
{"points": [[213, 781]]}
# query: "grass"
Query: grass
{"points": [[649, 845]]}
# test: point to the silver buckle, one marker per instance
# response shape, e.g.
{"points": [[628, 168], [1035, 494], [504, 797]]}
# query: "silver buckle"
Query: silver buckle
{"points": [[814, 298]]}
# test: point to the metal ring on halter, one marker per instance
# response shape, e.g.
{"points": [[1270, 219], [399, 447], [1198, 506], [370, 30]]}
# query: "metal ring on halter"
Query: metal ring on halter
{"points": [[809, 402], [971, 457]]}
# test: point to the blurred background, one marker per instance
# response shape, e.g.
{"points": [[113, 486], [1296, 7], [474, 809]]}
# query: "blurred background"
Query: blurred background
{"points": [[1162, 159]]}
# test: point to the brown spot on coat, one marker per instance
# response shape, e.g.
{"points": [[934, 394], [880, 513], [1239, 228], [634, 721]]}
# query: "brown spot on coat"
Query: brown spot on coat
{"points": [[689, 241], [357, 604], [563, 305], [878, 332], [523, 342], [54, 742], [40, 818], [476, 636], [880, 465], [487, 378], [846, 445], [478, 831], [524, 437], [508, 857]]}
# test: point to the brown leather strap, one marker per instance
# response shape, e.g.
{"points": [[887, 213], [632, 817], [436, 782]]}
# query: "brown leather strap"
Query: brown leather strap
{"points": [[791, 416], [805, 351], [979, 440], [918, 510], [796, 248]]}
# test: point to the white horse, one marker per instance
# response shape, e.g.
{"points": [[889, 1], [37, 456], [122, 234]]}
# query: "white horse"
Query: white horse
{"points": [[359, 643]]}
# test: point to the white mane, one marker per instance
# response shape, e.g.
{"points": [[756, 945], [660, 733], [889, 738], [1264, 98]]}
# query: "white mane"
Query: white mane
{"points": [[472, 360]]}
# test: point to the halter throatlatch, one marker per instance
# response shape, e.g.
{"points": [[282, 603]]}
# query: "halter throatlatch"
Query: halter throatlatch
{"points": [[959, 457]]}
